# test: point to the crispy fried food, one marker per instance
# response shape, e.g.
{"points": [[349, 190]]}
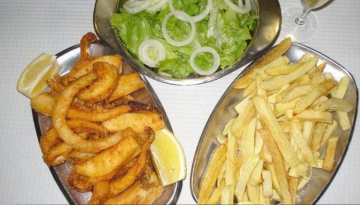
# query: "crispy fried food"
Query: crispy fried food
{"points": [[138, 193], [53, 148], [136, 120], [100, 192], [98, 113], [107, 162], [274, 54], [63, 130], [81, 126], [119, 185], [87, 66], [127, 84], [212, 172], [103, 86], [292, 105], [119, 154], [43, 103], [279, 165], [272, 124]]}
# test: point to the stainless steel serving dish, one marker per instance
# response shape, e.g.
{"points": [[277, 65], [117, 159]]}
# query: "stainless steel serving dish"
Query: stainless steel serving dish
{"points": [[267, 31], [224, 111], [61, 172]]}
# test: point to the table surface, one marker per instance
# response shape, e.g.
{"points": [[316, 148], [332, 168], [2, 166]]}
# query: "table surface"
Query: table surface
{"points": [[29, 28]]}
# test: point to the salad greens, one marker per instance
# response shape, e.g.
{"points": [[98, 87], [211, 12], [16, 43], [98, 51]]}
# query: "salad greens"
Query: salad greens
{"points": [[225, 30]]}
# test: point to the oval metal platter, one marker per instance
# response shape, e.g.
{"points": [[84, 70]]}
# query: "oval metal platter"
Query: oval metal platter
{"points": [[224, 111], [267, 31], [61, 172]]}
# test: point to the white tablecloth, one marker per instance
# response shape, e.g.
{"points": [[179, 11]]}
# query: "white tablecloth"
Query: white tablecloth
{"points": [[28, 28]]}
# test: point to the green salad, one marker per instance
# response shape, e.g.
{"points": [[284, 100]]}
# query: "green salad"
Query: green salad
{"points": [[178, 37]]}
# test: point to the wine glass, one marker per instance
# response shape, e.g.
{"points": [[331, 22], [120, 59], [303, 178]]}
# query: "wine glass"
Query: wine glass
{"points": [[299, 23]]}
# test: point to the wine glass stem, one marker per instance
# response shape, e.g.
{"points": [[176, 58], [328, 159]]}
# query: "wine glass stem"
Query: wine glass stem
{"points": [[300, 20]]}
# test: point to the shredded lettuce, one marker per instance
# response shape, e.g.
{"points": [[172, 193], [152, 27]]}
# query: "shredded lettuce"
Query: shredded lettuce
{"points": [[223, 29]]}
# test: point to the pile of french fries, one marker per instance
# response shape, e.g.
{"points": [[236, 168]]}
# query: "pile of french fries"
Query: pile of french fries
{"points": [[284, 128], [102, 129]]}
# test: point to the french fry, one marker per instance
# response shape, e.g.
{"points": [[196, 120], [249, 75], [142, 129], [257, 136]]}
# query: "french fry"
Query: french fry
{"points": [[277, 52], [245, 173], [238, 125], [249, 89], [344, 120], [308, 130], [329, 131], [318, 135], [296, 92], [300, 81], [281, 108], [274, 177], [302, 145], [279, 82], [217, 194], [272, 124], [253, 193], [311, 115], [336, 104], [227, 195], [342, 87], [248, 139], [283, 69], [211, 173], [318, 91], [293, 183], [316, 78], [267, 183], [230, 160], [329, 158], [302, 183], [264, 199], [255, 178], [279, 165]]}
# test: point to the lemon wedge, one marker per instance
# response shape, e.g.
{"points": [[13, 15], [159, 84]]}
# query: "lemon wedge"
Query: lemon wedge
{"points": [[168, 157], [32, 80]]}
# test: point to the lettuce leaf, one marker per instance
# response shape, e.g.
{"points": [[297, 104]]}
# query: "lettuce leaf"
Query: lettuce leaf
{"points": [[224, 30]]}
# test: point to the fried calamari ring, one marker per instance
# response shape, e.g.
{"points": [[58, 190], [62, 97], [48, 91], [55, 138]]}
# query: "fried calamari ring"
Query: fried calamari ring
{"points": [[119, 185], [99, 114], [80, 70], [63, 130], [103, 86]]}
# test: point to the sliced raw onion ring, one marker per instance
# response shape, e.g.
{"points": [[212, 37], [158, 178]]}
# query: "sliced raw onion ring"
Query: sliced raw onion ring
{"points": [[242, 8], [165, 74], [144, 55], [188, 19], [158, 4], [216, 63], [198, 17], [136, 6]]}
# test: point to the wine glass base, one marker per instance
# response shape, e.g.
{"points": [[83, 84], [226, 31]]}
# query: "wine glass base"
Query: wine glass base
{"points": [[298, 33]]}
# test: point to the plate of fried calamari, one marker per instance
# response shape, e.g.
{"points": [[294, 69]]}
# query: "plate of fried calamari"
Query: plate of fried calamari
{"points": [[106, 129], [280, 132]]}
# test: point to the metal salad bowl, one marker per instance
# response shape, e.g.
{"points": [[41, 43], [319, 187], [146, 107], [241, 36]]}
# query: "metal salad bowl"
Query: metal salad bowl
{"points": [[42, 122], [266, 33], [224, 111]]}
